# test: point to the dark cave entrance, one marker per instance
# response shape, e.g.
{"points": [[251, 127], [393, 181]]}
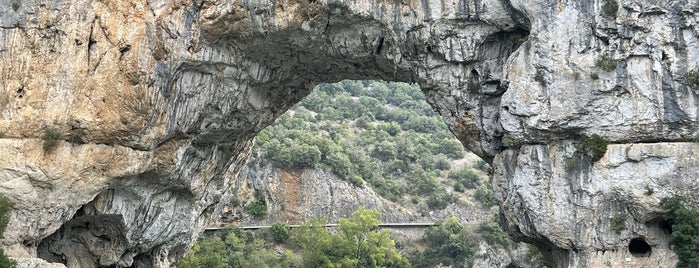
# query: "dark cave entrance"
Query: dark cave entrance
{"points": [[638, 247]]}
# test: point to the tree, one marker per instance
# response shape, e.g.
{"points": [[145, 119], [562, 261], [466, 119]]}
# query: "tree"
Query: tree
{"points": [[358, 244], [5, 209], [685, 230], [280, 231], [447, 243], [232, 248]]}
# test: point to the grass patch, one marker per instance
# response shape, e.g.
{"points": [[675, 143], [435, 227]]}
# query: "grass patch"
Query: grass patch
{"points": [[618, 224]]}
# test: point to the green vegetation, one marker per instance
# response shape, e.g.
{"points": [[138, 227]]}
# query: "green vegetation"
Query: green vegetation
{"points": [[447, 243], [594, 147], [466, 177], [280, 232], [369, 133], [535, 257], [618, 223], [483, 166], [5, 209], [610, 8], [692, 78], [233, 248], [685, 230], [52, 137], [607, 63], [492, 233], [257, 209], [357, 244], [484, 195]]}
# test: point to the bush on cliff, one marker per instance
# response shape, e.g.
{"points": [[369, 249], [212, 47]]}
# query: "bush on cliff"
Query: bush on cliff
{"points": [[5, 209], [685, 230]]}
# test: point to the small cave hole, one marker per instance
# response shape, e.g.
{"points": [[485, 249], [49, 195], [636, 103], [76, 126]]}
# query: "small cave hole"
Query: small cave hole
{"points": [[474, 75], [638, 247]]}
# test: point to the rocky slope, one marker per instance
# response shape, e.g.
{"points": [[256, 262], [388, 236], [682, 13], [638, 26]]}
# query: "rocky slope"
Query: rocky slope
{"points": [[156, 102]]}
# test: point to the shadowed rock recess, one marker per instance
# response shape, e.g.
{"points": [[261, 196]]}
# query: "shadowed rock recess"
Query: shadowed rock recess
{"points": [[153, 105]]}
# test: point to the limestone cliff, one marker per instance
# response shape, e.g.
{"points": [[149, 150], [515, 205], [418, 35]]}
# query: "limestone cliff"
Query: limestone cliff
{"points": [[155, 103]]}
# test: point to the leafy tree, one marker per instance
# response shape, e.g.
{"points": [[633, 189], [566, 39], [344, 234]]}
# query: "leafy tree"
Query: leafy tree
{"points": [[447, 243], [467, 177], [232, 249], [5, 209], [257, 209], [357, 245], [280, 231], [685, 230], [439, 200], [494, 235]]}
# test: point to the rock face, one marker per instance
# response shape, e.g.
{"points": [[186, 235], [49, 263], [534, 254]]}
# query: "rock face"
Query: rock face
{"points": [[154, 103], [294, 196]]}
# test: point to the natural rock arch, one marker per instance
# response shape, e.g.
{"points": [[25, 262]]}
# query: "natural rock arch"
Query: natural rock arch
{"points": [[168, 94]]}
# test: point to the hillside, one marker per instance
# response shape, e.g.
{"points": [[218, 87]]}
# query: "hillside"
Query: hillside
{"points": [[376, 145]]}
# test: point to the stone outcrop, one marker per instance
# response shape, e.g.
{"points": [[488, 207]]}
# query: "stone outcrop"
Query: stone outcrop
{"points": [[155, 103], [294, 196]]}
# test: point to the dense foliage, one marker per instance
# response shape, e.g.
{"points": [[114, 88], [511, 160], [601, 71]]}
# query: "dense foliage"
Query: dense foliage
{"points": [[383, 134], [233, 248], [685, 230], [5, 209], [357, 244], [447, 243]]}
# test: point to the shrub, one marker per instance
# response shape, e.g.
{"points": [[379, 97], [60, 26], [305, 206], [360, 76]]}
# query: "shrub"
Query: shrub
{"points": [[494, 235], [485, 196], [692, 78], [257, 209], [447, 243], [618, 224], [5, 209], [482, 166], [610, 8], [594, 146], [467, 177], [685, 230], [594, 76], [52, 137], [607, 63], [280, 232], [459, 187], [439, 200]]}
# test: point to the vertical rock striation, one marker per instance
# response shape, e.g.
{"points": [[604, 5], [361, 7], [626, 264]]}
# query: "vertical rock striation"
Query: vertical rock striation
{"points": [[156, 102]]}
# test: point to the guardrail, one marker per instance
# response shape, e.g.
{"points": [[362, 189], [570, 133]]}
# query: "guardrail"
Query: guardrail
{"points": [[330, 225]]}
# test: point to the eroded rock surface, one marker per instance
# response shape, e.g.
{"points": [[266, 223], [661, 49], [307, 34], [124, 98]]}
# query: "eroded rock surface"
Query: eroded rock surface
{"points": [[157, 102]]}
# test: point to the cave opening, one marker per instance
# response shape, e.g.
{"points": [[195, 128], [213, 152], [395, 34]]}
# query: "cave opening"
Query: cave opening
{"points": [[638, 247]]}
